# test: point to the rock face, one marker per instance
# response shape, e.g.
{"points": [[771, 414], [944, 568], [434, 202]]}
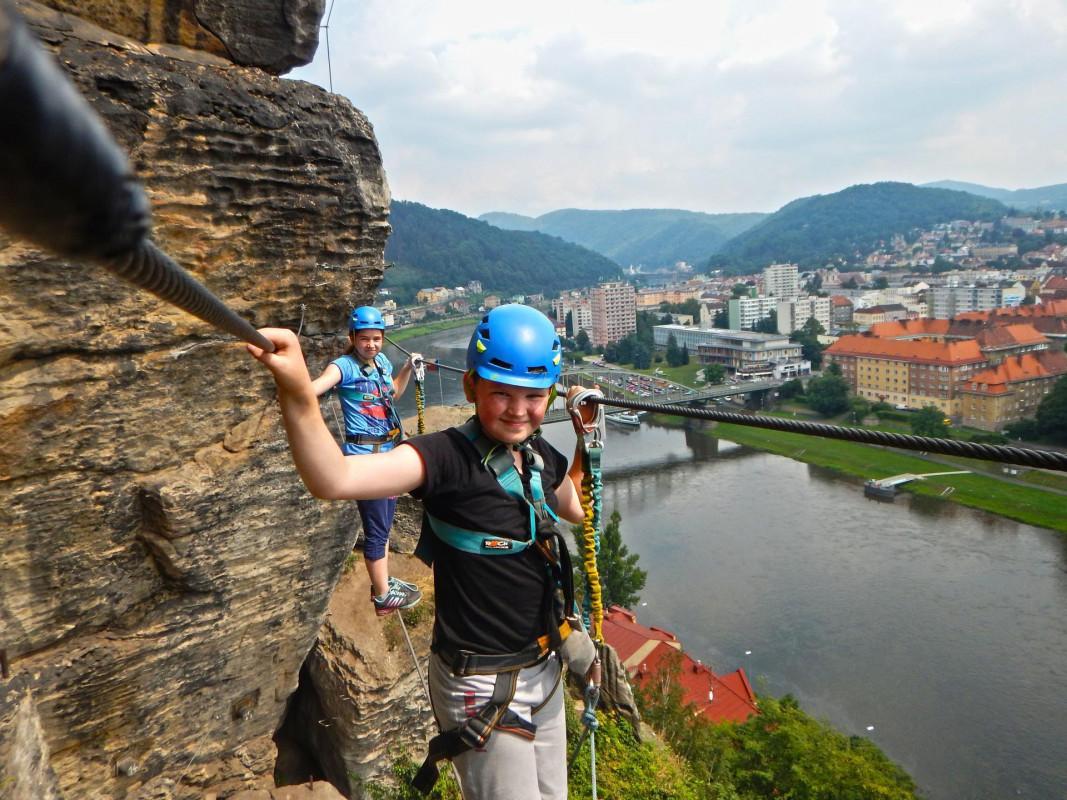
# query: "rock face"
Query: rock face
{"points": [[163, 573], [274, 35]]}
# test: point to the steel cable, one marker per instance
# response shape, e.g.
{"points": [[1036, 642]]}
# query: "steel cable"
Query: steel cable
{"points": [[66, 186], [1021, 456]]}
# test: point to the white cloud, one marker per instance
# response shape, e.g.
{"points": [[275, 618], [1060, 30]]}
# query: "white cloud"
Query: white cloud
{"points": [[725, 106]]}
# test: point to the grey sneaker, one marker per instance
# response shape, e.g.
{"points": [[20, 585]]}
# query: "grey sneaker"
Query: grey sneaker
{"points": [[400, 595], [397, 582]]}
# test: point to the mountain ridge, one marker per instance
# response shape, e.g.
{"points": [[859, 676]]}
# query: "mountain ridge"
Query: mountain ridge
{"points": [[651, 237]]}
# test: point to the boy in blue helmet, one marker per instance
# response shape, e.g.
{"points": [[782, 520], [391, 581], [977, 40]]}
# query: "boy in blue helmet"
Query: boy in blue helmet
{"points": [[367, 388], [492, 490]]}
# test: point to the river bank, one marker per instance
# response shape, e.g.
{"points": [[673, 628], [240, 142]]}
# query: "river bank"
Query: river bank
{"points": [[1030, 505]]}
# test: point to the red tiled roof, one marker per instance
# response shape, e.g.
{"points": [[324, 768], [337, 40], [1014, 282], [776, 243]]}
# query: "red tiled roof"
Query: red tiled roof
{"points": [[1017, 369], [915, 350], [895, 329], [645, 651], [839, 300], [1016, 335]]}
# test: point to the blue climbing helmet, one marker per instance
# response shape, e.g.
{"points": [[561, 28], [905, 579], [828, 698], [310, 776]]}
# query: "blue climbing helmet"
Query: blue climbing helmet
{"points": [[516, 345], [366, 317]]}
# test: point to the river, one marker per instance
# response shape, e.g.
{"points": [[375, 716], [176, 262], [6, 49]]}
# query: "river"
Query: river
{"points": [[941, 628]]}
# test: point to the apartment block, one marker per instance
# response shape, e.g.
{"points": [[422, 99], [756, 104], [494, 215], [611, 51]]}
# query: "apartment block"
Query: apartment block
{"points": [[793, 314], [781, 281], [745, 312], [1010, 391], [945, 302], [909, 372], [614, 312]]}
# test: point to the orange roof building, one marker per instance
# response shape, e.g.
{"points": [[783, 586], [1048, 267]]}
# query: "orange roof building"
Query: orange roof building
{"points": [[906, 372], [649, 654], [1011, 390], [1050, 318]]}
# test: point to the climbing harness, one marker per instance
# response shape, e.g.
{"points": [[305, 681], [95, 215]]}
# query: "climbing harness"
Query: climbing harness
{"points": [[558, 597]]}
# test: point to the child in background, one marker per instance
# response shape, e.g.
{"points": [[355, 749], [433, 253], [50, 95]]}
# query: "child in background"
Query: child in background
{"points": [[366, 388]]}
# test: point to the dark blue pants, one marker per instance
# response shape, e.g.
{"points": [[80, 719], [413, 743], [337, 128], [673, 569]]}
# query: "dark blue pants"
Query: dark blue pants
{"points": [[377, 516]]}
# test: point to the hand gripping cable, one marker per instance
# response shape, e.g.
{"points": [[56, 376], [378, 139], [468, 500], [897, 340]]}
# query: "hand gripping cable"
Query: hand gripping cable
{"points": [[66, 186]]}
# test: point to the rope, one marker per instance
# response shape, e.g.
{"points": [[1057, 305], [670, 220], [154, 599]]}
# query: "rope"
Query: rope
{"points": [[589, 546], [435, 364], [1021, 456], [65, 184], [419, 370]]}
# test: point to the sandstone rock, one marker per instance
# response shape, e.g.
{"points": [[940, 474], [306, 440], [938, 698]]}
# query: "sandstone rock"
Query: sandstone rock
{"points": [[163, 573], [274, 35], [361, 701]]}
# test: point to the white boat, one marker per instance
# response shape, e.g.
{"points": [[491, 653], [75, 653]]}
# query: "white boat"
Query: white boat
{"points": [[627, 419]]}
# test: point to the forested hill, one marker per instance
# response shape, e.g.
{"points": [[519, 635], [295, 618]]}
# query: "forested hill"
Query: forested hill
{"points": [[1041, 198], [437, 247], [651, 237], [813, 231]]}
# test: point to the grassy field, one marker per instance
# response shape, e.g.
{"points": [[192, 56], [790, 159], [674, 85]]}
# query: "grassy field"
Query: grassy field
{"points": [[1028, 504]]}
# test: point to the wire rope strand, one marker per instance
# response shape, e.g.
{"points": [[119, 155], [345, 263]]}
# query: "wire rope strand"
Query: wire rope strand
{"points": [[1021, 456], [149, 268]]}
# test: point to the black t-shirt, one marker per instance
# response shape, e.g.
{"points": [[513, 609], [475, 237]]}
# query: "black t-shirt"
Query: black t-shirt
{"points": [[485, 604]]}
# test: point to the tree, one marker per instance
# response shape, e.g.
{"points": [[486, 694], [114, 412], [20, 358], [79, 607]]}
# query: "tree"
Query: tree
{"points": [[714, 373], [674, 353], [620, 577], [850, 283], [807, 336], [582, 341], [1052, 413], [569, 324], [828, 394], [685, 354], [930, 421], [722, 319], [791, 388], [861, 407], [642, 356], [768, 324], [740, 290]]}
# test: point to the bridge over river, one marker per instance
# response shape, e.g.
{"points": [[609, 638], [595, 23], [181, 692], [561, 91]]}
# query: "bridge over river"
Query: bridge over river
{"points": [[628, 385]]}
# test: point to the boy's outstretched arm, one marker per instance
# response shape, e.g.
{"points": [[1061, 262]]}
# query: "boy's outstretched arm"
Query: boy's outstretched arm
{"points": [[325, 470]]}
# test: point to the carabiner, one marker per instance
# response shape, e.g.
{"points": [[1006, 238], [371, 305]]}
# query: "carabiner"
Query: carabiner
{"points": [[592, 427]]}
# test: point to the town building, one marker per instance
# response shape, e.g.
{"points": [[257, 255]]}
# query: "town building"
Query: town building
{"points": [[794, 313], [1011, 390], [1050, 318], [907, 372], [840, 313], [872, 315], [651, 654], [614, 312], [945, 302], [438, 294], [781, 281], [747, 352], [650, 299], [745, 312], [580, 310]]}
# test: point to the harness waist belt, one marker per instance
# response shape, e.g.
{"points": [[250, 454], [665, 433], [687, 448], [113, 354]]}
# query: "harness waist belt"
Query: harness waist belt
{"points": [[362, 438], [466, 662]]}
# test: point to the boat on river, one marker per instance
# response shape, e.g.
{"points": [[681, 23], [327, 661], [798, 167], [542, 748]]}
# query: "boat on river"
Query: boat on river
{"points": [[627, 419]]}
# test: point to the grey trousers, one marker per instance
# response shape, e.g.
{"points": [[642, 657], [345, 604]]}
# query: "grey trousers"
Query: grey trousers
{"points": [[509, 767]]}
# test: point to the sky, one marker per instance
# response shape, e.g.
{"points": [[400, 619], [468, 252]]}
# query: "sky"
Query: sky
{"points": [[707, 105]]}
